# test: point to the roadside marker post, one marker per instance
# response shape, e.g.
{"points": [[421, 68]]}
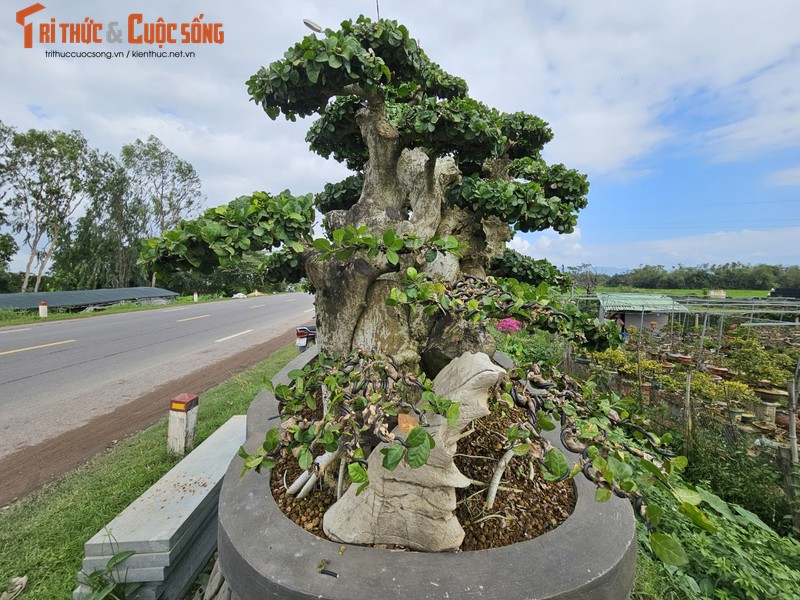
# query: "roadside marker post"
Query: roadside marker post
{"points": [[182, 423], [42, 310], [195, 297]]}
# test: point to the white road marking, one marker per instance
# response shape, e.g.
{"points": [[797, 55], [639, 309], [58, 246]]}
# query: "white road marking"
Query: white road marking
{"points": [[14, 330], [309, 310], [232, 336], [181, 308], [258, 305], [35, 347], [192, 318]]}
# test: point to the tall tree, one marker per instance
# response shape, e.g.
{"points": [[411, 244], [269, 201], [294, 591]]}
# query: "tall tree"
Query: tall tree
{"points": [[45, 177], [8, 248], [101, 249], [584, 276], [167, 186]]}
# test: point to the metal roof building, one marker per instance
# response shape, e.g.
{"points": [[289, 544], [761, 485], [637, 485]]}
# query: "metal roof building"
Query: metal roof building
{"points": [[81, 297], [639, 310]]}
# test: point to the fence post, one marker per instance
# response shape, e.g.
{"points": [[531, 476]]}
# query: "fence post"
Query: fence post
{"points": [[182, 423], [687, 409], [792, 422], [42, 310]]}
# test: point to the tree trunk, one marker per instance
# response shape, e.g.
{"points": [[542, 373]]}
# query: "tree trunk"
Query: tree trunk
{"points": [[403, 191], [28, 267]]}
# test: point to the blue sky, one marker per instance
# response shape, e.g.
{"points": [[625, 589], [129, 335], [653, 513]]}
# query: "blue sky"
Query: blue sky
{"points": [[684, 114]]}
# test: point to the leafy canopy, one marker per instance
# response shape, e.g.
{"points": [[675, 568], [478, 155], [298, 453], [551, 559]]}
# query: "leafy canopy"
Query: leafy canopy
{"points": [[377, 65]]}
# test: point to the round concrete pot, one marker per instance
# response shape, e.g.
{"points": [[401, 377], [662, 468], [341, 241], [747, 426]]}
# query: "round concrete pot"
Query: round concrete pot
{"points": [[263, 554]]}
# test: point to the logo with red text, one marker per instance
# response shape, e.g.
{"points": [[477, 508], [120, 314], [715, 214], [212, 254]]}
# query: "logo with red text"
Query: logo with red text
{"points": [[135, 29]]}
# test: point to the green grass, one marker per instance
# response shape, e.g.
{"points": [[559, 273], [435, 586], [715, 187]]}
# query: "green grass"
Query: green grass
{"points": [[650, 583], [43, 536], [10, 317]]}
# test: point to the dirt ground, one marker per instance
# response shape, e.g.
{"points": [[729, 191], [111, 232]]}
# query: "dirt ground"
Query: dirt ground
{"points": [[33, 467]]}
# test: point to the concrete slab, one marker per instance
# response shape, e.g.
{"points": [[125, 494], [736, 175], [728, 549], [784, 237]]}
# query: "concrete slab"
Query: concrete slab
{"points": [[205, 542], [157, 559], [157, 520]]}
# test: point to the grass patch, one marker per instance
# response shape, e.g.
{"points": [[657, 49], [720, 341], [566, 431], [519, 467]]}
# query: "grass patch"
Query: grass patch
{"points": [[650, 583], [10, 317], [43, 536]]}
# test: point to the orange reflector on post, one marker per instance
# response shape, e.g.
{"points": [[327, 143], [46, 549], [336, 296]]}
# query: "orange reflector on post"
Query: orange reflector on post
{"points": [[183, 402]]}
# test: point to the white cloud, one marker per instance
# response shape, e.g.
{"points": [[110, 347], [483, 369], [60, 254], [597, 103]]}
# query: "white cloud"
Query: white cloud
{"points": [[787, 177], [560, 249], [774, 246], [615, 79]]}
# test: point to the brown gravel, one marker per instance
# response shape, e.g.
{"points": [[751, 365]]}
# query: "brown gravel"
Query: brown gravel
{"points": [[530, 507]]}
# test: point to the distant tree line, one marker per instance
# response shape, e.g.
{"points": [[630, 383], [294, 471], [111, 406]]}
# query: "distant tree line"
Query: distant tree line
{"points": [[732, 276], [80, 213]]}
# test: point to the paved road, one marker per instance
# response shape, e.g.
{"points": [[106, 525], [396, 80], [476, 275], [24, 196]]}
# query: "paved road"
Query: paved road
{"points": [[57, 376]]}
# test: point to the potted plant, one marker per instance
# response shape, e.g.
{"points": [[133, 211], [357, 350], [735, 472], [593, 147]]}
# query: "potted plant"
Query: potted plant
{"points": [[403, 300]]}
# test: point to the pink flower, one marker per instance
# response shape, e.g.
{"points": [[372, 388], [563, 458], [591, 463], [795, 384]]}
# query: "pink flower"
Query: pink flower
{"points": [[509, 325]]}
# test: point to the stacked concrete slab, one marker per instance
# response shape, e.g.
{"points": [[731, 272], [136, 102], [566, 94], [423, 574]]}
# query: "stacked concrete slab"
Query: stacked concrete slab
{"points": [[172, 527]]}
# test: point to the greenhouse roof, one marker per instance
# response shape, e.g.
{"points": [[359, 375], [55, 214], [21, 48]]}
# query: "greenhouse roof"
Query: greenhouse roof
{"points": [[652, 303], [81, 297]]}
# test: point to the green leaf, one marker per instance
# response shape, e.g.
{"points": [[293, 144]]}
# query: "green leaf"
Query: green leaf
{"points": [[392, 256], [679, 463], [430, 255], [412, 273], [345, 254], [521, 449], [253, 461], [101, 594], [296, 374], [418, 436], [602, 494], [321, 244], [717, 503], [619, 469], [751, 518], [688, 496], [119, 557], [707, 587], [696, 516], [555, 464], [357, 473], [418, 455], [272, 439], [654, 513], [392, 456], [305, 459], [668, 549], [452, 414], [544, 421]]}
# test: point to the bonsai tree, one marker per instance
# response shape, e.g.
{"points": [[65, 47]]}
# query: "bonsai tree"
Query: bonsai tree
{"points": [[440, 182]]}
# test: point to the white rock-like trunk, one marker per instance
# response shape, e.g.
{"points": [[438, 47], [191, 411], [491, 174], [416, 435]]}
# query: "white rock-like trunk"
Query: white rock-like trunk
{"points": [[414, 507]]}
